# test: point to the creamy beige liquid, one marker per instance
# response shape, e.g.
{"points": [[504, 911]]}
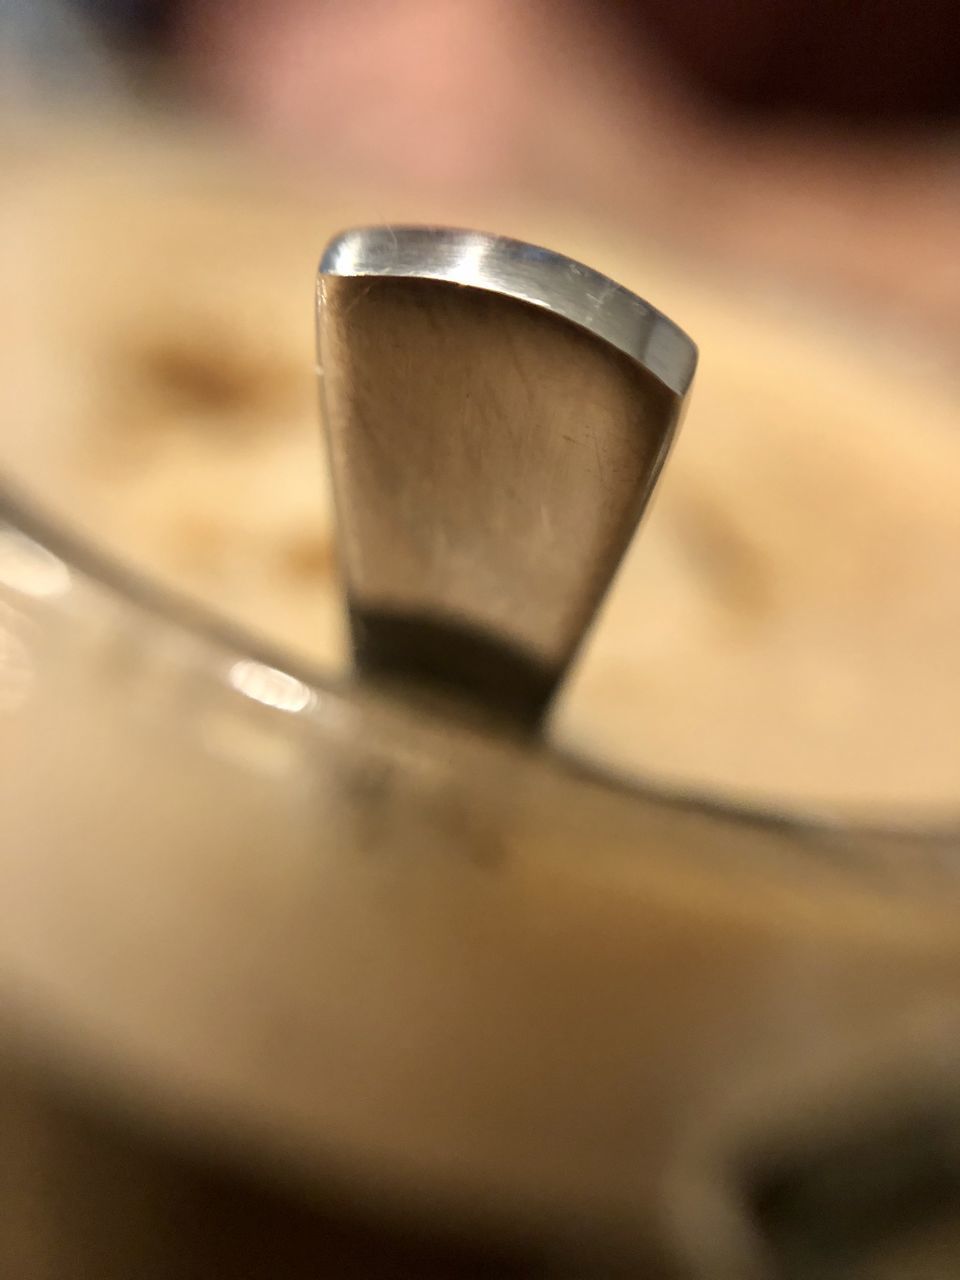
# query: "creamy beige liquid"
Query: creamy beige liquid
{"points": [[787, 627]]}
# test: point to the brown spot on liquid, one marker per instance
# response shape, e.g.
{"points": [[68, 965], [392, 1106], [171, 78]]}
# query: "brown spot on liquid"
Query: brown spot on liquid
{"points": [[310, 556], [199, 373]]}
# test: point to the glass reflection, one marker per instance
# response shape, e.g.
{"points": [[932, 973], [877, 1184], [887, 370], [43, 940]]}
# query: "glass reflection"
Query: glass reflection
{"points": [[27, 567], [271, 687]]}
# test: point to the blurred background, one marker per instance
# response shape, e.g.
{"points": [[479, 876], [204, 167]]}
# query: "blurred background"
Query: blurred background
{"points": [[812, 136]]}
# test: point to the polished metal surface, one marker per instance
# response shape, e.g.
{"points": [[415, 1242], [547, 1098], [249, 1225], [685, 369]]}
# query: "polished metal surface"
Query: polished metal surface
{"points": [[497, 415]]}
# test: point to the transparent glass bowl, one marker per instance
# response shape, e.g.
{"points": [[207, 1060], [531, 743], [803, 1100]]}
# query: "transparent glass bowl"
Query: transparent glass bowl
{"points": [[392, 953]]}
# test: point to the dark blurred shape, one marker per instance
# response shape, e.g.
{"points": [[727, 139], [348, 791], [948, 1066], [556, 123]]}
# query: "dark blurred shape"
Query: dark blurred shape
{"points": [[872, 60], [858, 1193], [143, 23], [86, 1197]]}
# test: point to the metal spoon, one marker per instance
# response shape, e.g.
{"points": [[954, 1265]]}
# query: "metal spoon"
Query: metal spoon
{"points": [[497, 416]]}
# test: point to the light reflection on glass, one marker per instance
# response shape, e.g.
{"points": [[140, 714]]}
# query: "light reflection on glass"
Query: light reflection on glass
{"points": [[271, 687], [29, 568]]}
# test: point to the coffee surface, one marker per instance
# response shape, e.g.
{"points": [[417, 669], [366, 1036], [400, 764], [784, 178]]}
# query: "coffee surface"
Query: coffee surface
{"points": [[786, 628]]}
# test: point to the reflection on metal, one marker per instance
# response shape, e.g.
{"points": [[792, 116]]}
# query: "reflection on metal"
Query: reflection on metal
{"points": [[271, 687], [29, 568], [526, 273]]}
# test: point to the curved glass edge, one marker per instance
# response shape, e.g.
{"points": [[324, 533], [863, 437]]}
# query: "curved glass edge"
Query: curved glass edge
{"points": [[529, 274], [22, 514], [829, 833]]}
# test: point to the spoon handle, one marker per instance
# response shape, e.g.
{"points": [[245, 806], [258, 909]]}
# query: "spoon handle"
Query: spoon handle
{"points": [[496, 416]]}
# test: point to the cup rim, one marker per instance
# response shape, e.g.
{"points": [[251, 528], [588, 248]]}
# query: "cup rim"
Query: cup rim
{"points": [[24, 515]]}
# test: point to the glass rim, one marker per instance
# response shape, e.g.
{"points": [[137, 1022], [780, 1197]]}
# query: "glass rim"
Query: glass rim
{"points": [[22, 513]]}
